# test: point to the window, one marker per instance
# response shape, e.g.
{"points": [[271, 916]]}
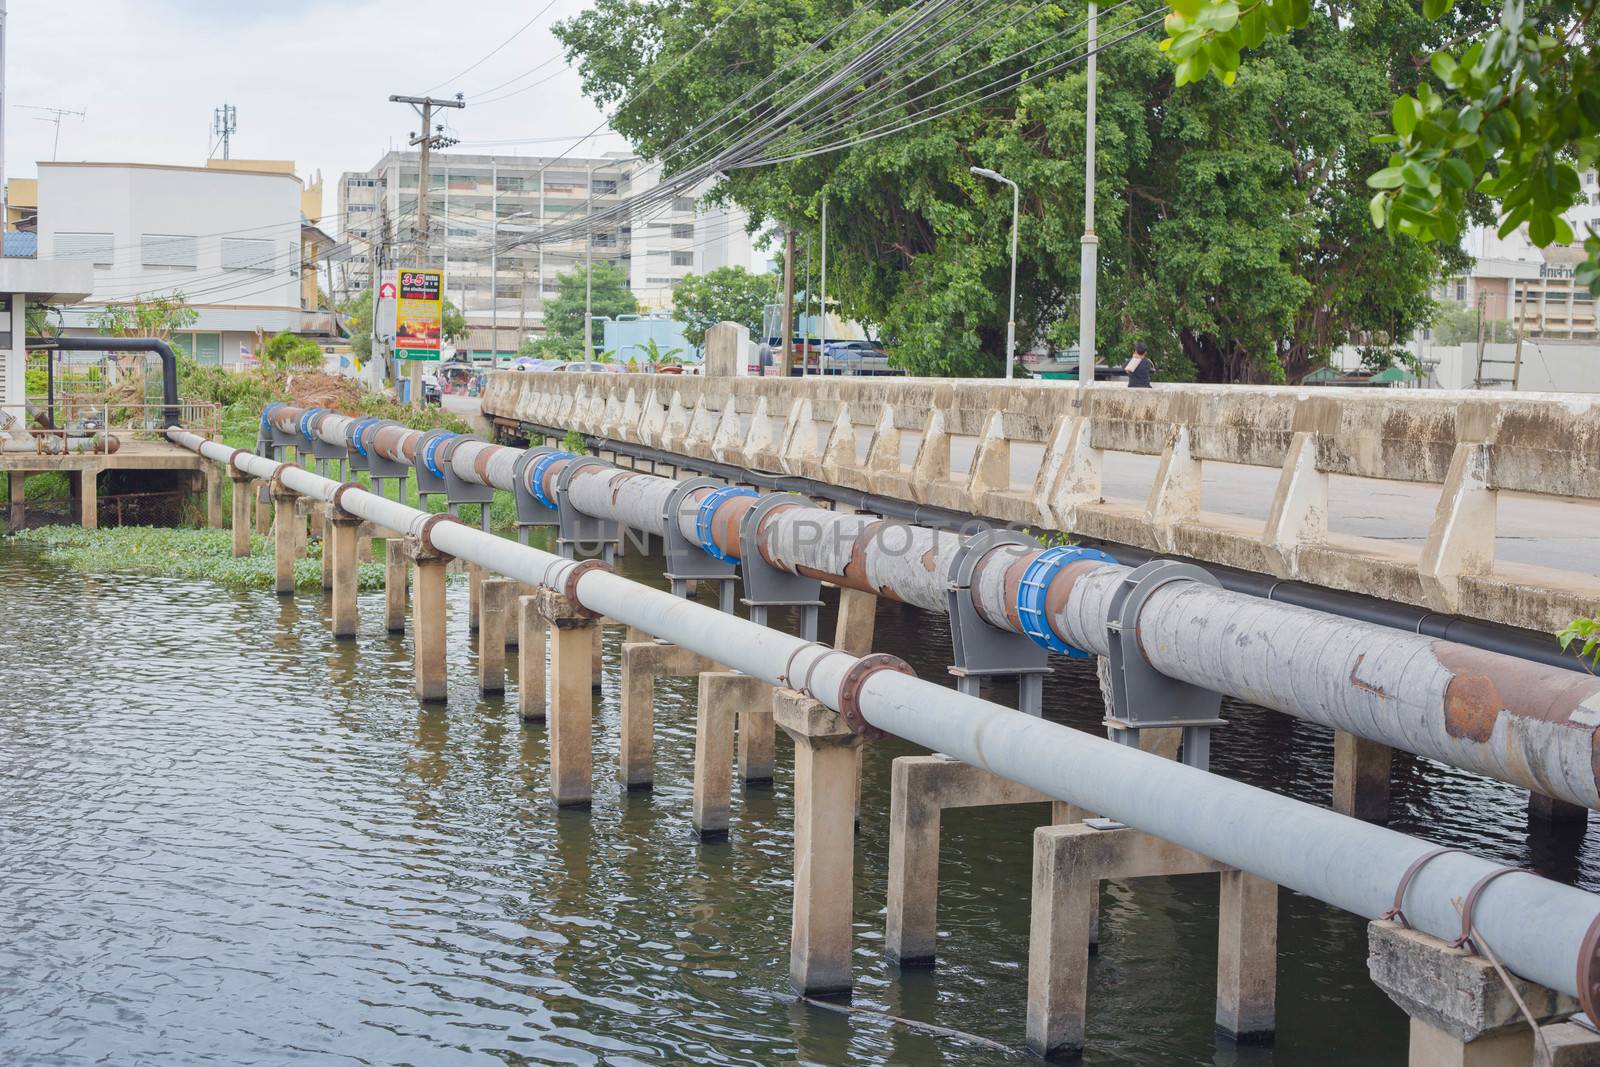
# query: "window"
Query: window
{"points": [[239, 253], [683, 259], [661, 281], [682, 231], [169, 250], [354, 208], [508, 184], [208, 349], [605, 240], [605, 186], [92, 247], [683, 204]]}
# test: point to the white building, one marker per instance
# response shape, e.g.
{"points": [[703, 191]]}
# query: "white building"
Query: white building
{"points": [[234, 242], [478, 203]]}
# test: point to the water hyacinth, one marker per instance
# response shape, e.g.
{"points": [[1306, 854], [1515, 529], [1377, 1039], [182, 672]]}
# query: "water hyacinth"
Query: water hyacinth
{"points": [[179, 553]]}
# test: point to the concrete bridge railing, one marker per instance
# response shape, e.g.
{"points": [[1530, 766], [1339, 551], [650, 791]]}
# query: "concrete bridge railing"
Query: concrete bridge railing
{"points": [[1028, 453]]}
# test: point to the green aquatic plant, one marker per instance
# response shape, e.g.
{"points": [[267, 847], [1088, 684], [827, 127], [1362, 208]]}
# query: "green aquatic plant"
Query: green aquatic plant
{"points": [[179, 553]]}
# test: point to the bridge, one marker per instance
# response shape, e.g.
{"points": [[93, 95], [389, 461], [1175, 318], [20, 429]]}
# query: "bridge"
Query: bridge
{"points": [[1170, 638]]}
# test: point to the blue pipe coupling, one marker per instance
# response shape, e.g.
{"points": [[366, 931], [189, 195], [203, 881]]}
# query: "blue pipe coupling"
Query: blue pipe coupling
{"points": [[305, 421], [708, 511], [430, 454], [359, 432], [535, 475], [266, 414], [1035, 588]]}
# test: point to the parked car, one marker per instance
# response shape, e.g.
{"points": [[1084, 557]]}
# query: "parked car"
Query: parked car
{"points": [[533, 363], [850, 350], [578, 366]]}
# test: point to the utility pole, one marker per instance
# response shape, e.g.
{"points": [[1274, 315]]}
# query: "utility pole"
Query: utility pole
{"points": [[822, 353], [56, 115], [224, 121], [522, 311], [788, 302], [588, 268], [494, 268], [5, 192], [375, 249], [1089, 263], [805, 316], [425, 141]]}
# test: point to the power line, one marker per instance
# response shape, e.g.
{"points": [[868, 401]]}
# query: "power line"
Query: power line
{"points": [[493, 51]]}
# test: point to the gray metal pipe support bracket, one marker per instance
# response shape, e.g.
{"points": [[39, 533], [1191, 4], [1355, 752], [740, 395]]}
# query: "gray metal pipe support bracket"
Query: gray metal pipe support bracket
{"points": [[980, 650], [574, 528], [383, 467], [428, 483], [765, 586], [458, 491], [530, 512], [1143, 698], [687, 560]]}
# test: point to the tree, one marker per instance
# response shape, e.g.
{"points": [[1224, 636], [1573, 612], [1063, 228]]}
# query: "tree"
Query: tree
{"points": [[288, 352], [551, 348], [1508, 107], [453, 324], [563, 316], [727, 294], [655, 356], [1457, 324], [156, 316], [1234, 223]]}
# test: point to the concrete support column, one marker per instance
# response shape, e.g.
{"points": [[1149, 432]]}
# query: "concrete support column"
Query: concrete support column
{"points": [[858, 616], [263, 509], [396, 569], [1069, 862], [340, 548], [285, 542], [532, 631], [1461, 1013], [824, 842], [597, 656], [89, 498], [323, 514], [1361, 777], [428, 622], [642, 663], [756, 742], [496, 599], [213, 477], [572, 699], [314, 525], [474, 595], [921, 787], [723, 696], [18, 484], [240, 516]]}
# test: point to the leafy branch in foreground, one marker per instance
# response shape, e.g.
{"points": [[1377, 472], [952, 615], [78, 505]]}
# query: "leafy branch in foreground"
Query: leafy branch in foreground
{"points": [[1586, 631]]}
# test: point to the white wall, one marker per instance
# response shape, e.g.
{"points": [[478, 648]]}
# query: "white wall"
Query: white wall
{"points": [[1547, 366], [128, 202]]}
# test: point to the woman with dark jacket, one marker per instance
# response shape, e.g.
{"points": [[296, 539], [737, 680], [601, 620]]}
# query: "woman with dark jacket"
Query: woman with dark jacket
{"points": [[1138, 368]]}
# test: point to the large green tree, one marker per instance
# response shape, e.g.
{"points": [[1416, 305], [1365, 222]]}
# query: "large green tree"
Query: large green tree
{"points": [[727, 294], [563, 316], [1234, 222], [1507, 107]]}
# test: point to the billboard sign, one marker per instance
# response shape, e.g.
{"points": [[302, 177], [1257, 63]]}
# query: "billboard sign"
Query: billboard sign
{"points": [[419, 314], [388, 286]]}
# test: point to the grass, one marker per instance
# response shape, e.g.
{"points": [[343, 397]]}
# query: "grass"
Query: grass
{"points": [[179, 553]]}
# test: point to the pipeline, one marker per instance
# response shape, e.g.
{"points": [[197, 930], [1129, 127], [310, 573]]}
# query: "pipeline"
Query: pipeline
{"points": [[169, 361], [13, 438], [1547, 932], [1524, 723]]}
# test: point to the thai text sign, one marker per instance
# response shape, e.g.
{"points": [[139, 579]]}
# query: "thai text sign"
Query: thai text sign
{"points": [[419, 314]]}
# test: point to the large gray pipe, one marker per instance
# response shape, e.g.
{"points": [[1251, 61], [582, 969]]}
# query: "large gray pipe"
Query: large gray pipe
{"points": [[1525, 723], [1540, 929]]}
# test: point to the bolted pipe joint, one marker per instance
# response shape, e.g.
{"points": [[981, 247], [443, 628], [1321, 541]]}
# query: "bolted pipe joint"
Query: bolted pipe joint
{"points": [[422, 541], [535, 474], [850, 690], [1034, 595], [338, 508], [569, 585]]}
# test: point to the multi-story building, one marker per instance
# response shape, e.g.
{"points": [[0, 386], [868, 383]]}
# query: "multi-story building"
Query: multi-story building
{"points": [[487, 215], [235, 242]]}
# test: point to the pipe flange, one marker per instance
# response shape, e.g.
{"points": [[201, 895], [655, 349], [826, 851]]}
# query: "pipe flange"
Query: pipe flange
{"points": [[569, 588], [338, 496], [233, 462], [425, 535], [1589, 971], [1034, 590], [275, 487], [850, 690]]}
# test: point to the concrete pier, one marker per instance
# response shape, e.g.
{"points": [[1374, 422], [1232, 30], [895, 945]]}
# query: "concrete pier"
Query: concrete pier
{"points": [[396, 571], [824, 842], [571, 714], [213, 487], [1069, 862], [724, 697], [474, 595], [340, 551], [264, 509], [492, 626], [1462, 1014], [285, 542], [1361, 777], [921, 787], [642, 663], [428, 622], [240, 514], [324, 518], [532, 631]]}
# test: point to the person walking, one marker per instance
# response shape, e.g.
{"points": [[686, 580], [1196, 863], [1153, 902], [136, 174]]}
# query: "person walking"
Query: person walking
{"points": [[1138, 368]]}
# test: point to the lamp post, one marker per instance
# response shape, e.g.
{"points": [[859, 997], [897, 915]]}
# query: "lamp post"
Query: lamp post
{"points": [[1011, 320]]}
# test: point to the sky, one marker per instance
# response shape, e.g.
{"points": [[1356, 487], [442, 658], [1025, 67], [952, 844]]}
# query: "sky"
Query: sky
{"points": [[310, 79]]}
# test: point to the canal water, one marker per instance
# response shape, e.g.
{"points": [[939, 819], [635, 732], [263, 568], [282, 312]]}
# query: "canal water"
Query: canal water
{"points": [[225, 837]]}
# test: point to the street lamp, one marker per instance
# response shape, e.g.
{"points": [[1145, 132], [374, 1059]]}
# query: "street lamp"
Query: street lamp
{"points": [[1011, 321]]}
